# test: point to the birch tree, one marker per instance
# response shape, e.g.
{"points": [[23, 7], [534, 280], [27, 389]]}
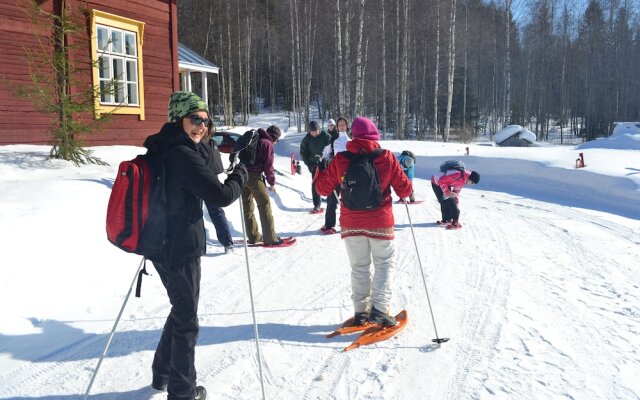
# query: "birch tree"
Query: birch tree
{"points": [[451, 68]]}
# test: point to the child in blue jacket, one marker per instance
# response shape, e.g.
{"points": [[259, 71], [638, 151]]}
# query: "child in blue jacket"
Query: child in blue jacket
{"points": [[407, 161]]}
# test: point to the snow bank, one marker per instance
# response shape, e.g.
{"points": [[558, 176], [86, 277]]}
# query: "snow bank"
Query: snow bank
{"points": [[620, 142]]}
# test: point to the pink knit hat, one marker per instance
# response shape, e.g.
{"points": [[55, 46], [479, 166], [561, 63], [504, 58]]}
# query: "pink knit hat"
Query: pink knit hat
{"points": [[364, 128]]}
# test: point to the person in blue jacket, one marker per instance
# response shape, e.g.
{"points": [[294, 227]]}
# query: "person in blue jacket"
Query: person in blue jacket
{"points": [[407, 161]]}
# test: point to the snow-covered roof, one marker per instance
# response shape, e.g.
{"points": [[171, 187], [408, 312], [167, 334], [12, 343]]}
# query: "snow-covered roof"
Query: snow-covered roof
{"points": [[513, 130]]}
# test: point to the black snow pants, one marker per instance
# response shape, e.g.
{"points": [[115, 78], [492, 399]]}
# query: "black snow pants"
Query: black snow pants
{"points": [[449, 207], [332, 205], [174, 361]]}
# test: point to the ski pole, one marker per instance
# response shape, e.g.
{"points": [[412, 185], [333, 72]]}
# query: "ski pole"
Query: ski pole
{"points": [[113, 330], [253, 309], [424, 280]]}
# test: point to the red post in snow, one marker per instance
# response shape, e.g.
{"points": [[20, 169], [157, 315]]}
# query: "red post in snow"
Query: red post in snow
{"points": [[580, 161]]}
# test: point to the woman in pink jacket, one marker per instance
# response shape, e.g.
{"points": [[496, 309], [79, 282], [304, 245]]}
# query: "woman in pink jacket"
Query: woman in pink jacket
{"points": [[447, 186], [368, 233]]}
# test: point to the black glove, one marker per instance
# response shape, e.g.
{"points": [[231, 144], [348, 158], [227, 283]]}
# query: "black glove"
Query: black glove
{"points": [[239, 174], [324, 163]]}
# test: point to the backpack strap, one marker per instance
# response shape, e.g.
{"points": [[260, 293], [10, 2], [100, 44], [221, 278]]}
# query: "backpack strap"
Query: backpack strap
{"points": [[354, 156]]}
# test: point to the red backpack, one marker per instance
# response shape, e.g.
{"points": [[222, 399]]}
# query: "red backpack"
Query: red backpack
{"points": [[136, 215]]}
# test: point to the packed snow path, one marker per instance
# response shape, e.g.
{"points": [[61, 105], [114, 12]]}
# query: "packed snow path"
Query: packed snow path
{"points": [[540, 301]]}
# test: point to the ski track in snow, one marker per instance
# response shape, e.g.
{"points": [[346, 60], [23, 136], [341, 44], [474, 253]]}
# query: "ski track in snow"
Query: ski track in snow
{"points": [[491, 284]]}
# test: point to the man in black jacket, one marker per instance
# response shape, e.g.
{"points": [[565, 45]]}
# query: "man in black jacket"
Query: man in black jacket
{"points": [[311, 153], [189, 180]]}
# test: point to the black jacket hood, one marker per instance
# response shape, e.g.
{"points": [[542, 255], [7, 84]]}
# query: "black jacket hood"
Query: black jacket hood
{"points": [[169, 136]]}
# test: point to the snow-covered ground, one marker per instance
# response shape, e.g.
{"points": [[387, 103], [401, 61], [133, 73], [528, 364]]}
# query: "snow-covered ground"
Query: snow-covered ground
{"points": [[539, 292]]}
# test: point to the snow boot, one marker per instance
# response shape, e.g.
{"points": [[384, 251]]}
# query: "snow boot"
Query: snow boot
{"points": [[380, 318], [443, 223], [228, 249], [360, 318], [159, 384], [327, 231], [201, 393], [454, 225]]}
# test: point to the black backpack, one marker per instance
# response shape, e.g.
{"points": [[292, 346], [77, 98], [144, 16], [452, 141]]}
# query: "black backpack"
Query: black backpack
{"points": [[452, 164], [246, 147], [361, 185]]}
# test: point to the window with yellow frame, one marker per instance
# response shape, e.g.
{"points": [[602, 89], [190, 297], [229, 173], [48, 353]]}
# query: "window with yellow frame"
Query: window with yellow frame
{"points": [[116, 48]]}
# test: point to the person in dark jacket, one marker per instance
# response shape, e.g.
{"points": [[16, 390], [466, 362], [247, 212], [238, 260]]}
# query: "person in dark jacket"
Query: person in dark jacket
{"points": [[311, 153], [189, 180], [257, 189], [217, 215], [338, 143]]}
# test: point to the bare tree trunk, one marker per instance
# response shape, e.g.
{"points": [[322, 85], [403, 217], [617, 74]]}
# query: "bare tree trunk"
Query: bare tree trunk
{"points": [[437, 74], [359, 67], [296, 20], [526, 86], [347, 59], [396, 91], [206, 43], [404, 70], [271, 50], [451, 69], [341, 97], [466, 65], [294, 76], [507, 65], [311, 21], [229, 111], [383, 121], [494, 81]]}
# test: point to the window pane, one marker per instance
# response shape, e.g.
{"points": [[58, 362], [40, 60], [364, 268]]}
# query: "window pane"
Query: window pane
{"points": [[118, 69], [132, 93], [119, 93], [105, 95], [104, 67], [130, 43], [116, 41], [132, 71], [103, 38]]}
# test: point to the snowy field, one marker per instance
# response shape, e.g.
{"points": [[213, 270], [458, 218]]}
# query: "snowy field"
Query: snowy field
{"points": [[539, 292]]}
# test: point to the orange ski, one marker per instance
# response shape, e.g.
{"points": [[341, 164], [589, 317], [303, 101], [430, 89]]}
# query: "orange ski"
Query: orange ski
{"points": [[347, 328], [377, 333]]}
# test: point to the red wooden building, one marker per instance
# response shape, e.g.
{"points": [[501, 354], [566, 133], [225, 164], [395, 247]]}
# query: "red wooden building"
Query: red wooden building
{"points": [[135, 41]]}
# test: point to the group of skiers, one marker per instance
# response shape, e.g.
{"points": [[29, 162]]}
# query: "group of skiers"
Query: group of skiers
{"points": [[192, 168]]}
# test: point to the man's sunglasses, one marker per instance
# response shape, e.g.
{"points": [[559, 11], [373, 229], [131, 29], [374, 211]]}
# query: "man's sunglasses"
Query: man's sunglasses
{"points": [[197, 120]]}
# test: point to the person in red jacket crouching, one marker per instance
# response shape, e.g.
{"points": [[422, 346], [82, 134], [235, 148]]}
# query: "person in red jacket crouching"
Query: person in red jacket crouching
{"points": [[368, 233], [447, 186]]}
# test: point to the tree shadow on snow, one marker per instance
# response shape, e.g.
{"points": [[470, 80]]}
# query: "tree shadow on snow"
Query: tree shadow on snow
{"points": [[140, 394], [60, 342]]}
